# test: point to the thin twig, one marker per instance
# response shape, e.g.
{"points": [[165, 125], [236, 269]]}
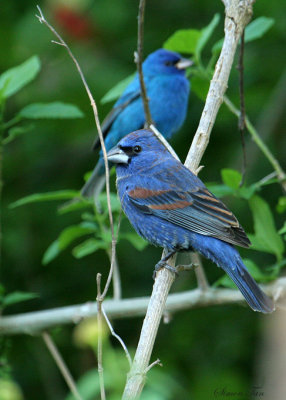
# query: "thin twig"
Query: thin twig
{"points": [[117, 292], [156, 362], [139, 60], [99, 337], [42, 19], [281, 175], [164, 142], [113, 333], [61, 364], [199, 271], [33, 322], [241, 121]]}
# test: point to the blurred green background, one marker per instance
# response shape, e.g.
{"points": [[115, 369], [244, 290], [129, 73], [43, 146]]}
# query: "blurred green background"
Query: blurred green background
{"points": [[201, 350]]}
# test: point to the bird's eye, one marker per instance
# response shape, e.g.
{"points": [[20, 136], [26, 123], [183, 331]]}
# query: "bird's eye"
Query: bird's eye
{"points": [[137, 149], [170, 63]]}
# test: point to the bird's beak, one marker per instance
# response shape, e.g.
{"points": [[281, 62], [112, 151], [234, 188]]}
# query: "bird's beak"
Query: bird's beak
{"points": [[184, 63], [117, 156]]}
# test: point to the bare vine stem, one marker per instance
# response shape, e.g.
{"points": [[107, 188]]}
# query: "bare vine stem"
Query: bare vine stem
{"points": [[281, 175], [61, 42], [139, 60]]}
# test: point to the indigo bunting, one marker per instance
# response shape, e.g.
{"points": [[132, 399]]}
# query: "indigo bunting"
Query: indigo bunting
{"points": [[168, 92], [171, 207]]}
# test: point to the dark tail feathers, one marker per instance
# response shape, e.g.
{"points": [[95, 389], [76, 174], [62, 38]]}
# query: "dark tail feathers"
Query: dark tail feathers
{"points": [[252, 293]]}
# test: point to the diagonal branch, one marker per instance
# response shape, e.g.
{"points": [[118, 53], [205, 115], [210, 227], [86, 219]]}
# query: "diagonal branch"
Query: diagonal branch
{"points": [[61, 42]]}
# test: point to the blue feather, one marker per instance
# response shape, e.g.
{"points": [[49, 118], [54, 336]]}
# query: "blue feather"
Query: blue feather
{"points": [[168, 92], [171, 207]]}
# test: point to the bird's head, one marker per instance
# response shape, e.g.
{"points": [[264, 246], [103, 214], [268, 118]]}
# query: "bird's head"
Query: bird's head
{"points": [[137, 151], [165, 62]]}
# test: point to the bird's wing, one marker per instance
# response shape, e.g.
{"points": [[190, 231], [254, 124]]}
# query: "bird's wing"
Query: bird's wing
{"points": [[197, 210], [113, 114]]}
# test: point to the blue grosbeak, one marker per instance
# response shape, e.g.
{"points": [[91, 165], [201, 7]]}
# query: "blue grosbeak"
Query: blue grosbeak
{"points": [[171, 207], [168, 92]]}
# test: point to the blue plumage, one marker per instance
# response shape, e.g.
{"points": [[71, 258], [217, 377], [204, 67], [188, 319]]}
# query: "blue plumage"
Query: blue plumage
{"points": [[171, 207], [168, 92]]}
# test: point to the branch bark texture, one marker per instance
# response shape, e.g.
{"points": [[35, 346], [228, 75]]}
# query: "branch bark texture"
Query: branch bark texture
{"points": [[237, 15]]}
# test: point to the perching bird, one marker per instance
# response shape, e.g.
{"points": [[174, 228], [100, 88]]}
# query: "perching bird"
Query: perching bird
{"points": [[168, 92], [171, 207]]}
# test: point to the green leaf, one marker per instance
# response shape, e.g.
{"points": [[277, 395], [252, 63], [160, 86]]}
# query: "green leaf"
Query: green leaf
{"points": [[283, 229], [15, 78], [88, 247], [114, 202], [48, 196], [136, 240], [231, 177], [183, 41], [17, 131], [246, 192], [200, 86], [71, 233], [117, 90], [52, 252], [281, 206], [56, 109], [217, 46], [220, 190], [17, 297], [206, 34], [257, 28], [266, 237], [71, 206], [67, 236]]}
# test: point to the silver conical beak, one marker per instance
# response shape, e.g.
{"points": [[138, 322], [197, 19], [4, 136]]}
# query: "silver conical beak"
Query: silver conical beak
{"points": [[117, 156], [184, 63]]}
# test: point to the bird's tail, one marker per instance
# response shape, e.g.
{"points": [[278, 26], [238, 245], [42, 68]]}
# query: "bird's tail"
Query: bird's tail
{"points": [[95, 183], [252, 293]]}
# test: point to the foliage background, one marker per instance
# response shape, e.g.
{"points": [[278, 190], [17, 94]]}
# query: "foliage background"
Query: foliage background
{"points": [[201, 350]]}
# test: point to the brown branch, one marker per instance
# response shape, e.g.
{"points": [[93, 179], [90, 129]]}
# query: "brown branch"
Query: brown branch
{"points": [[199, 271], [241, 121], [99, 300], [139, 60], [61, 365]]}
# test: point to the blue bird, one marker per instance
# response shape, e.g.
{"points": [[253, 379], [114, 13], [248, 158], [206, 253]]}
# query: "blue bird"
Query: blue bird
{"points": [[171, 207], [168, 92]]}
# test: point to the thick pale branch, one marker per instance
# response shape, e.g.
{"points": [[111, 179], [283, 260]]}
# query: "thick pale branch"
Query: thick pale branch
{"points": [[35, 322], [238, 13]]}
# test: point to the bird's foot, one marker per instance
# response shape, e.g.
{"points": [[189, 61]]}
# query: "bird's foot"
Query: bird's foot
{"points": [[163, 264]]}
